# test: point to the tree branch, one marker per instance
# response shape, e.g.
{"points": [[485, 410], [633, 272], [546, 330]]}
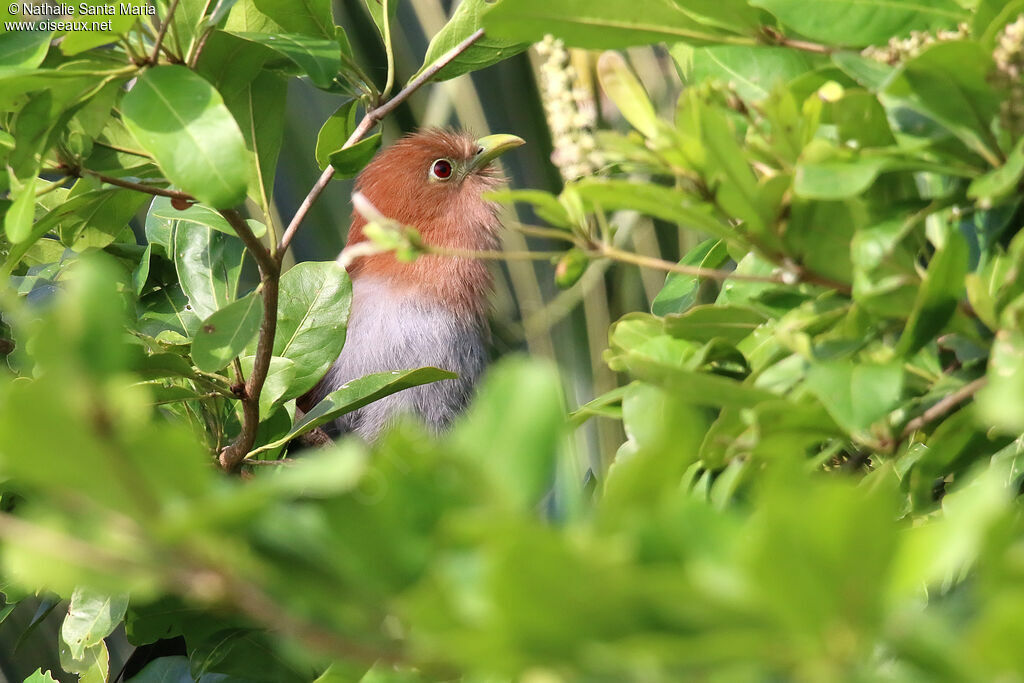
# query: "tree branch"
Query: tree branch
{"points": [[944, 406], [155, 57], [616, 254], [270, 275], [131, 185], [369, 120]]}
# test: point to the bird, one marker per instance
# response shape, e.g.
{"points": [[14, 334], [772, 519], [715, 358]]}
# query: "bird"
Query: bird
{"points": [[431, 311]]}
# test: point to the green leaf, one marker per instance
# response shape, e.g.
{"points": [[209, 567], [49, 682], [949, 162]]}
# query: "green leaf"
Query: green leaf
{"points": [[680, 291], [335, 132], [40, 677], [92, 616], [831, 173], [376, 10], [318, 58], [597, 25], [625, 90], [1002, 181], [938, 295], [24, 48], [752, 71], [608, 404], [857, 394], [870, 73], [736, 187], [181, 120], [704, 323], [117, 13], [280, 377], [1001, 402], [245, 16], [176, 669], [312, 318], [18, 219], [544, 204], [209, 264], [654, 200], [664, 432], [224, 334], [349, 162], [358, 393], [67, 210], [731, 15], [102, 220], [308, 17], [519, 412], [858, 23], [163, 218], [640, 347], [167, 310], [466, 20], [949, 83], [255, 97]]}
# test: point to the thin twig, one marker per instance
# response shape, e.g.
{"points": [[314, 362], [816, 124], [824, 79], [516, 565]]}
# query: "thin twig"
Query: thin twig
{"points": [[491, 255], [131, 185], [546, 233], [193, 59], [122, 150], [943, 406], [284, 462], [155, 57], [369, 120], [616, 254], [806, 46]]}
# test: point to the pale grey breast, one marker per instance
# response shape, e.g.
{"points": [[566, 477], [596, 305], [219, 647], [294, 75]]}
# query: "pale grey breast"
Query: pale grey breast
{"points": [[392, 329]]}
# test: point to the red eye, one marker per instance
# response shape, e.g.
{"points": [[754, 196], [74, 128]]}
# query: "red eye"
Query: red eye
{"points": [[442, 169]]}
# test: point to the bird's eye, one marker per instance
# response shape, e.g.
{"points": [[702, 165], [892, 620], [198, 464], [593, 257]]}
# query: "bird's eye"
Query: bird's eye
{"points": [[441, 169]]}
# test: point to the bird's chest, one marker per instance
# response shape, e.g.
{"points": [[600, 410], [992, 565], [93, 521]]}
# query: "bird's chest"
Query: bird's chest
{"points": [[391, 329]]}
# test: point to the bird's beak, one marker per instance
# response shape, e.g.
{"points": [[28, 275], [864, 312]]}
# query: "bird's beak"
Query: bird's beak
{"points": [[491, 147]]}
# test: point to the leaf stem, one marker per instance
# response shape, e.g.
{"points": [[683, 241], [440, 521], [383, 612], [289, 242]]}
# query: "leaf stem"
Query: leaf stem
{"points": [[389, 48]]}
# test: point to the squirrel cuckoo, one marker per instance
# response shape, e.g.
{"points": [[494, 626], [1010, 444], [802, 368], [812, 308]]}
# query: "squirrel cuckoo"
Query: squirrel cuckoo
{"points": [[432, 311]]}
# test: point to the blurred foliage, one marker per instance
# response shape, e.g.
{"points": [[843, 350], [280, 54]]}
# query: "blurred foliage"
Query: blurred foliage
{"points": [[822, 411]]}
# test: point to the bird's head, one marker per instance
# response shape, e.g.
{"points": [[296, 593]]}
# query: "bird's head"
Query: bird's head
{"points": [[434, 180]]}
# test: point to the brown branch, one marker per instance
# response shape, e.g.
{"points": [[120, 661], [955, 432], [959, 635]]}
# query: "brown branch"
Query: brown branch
{"points": [[284, 462], [806, 46], [491, 255], [369, 120], [131, 185], [6, 347], [770, 35], [200, 46], [616, 254], [270, 274], [163, 30], [943, 406]]}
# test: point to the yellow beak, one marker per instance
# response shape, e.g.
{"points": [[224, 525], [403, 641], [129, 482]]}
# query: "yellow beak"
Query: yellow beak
{"points": [[491, 147]]}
